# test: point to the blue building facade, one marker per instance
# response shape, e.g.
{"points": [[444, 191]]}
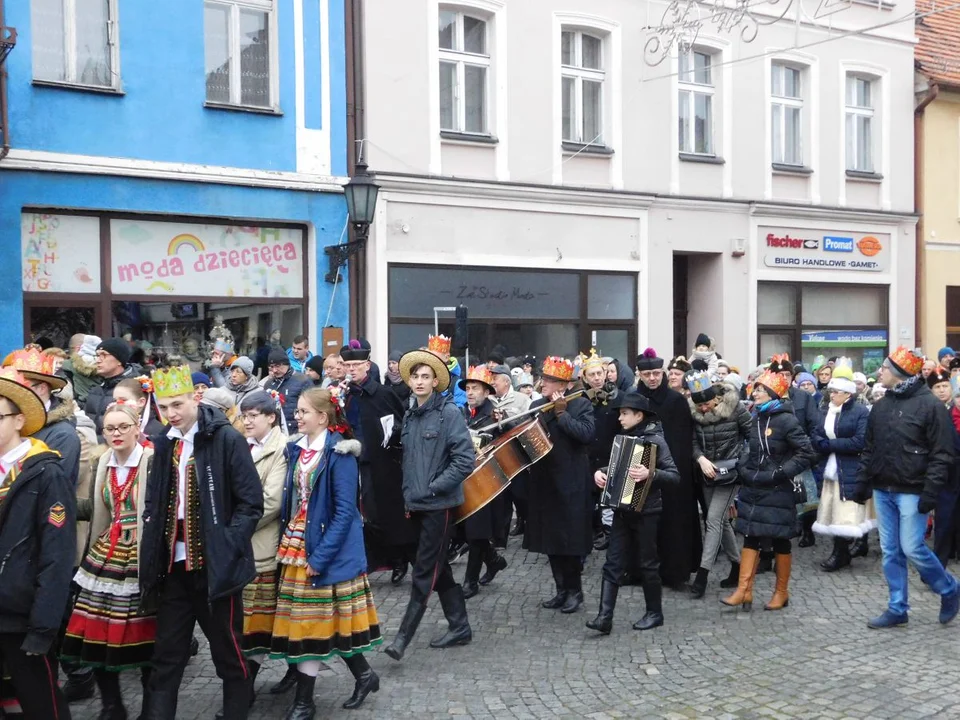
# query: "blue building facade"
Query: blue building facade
{"points": [[172, 164]]}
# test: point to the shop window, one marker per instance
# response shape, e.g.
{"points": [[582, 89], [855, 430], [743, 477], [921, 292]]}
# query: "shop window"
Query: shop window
{"points": [[776, 304], [611, 297], [851, 305]]}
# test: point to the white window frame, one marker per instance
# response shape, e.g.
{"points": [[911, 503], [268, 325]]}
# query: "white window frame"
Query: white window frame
{"points": [[70, 50], [578, 74], [692, 89], [785, 102], [461, 58], [858, 111], [235, 6]]}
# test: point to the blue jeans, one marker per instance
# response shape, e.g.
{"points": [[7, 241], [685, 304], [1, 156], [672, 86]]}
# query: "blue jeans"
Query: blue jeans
{"points": [[901, 538]]}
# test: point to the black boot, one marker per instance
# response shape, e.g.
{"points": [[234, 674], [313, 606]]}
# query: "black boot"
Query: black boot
{"points": [[860, 547], [303, 707], [456, 551], [399, 572], [471, 577], [194, 647], [572, 581], [519, 527], [699, 587], [733, 579], [286, 682], [367, 681], [603, 623], [807, 538], [840, 557], [455, 611], [145, 671], [160, 705], [495, 563], [408, 627], [653, 595], [110, 700], [558, 600], [80, 685], [254, 670]]}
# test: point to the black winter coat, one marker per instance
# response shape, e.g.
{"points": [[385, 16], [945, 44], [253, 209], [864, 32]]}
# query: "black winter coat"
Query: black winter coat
{"points": [[381, 472], [38, 539], [606, 426], [678, 541], [289, 387], [909, 443], [231, 505], [60, 435], [400, 389], [101, 396], [666, 471], [779, 450], [850, 429], [805, 409], [722, 433], [560, 487]]}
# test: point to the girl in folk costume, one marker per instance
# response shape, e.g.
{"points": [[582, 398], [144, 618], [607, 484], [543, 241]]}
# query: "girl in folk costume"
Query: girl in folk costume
{"points": [[324, 603], [106, 629], [138, 392]]}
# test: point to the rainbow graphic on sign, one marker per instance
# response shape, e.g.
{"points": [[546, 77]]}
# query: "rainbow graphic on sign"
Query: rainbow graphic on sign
{"points": [[184, 240]]}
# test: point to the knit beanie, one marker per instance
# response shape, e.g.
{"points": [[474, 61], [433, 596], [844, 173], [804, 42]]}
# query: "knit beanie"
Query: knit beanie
{"points": [[245, 364], [200, 378], [703, 339], [316, 364], [278, 357], [805, 377], [118, 347], [395, 356]]}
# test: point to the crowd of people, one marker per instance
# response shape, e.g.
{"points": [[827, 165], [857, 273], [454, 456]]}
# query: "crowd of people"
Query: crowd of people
{"points": [[139, 502]]}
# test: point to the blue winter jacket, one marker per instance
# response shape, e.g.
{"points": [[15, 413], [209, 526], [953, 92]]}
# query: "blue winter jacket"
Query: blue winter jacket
{"points": [[459, 395], [851, 431], [334, 534]]}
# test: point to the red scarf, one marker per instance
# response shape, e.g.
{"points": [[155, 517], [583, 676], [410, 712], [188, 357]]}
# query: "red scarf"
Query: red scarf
{"points": [[119, 495]]}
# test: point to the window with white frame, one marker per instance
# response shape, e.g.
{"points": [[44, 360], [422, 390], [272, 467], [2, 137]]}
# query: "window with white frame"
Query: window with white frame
{"points": [[239, 57], [859, 123], [74, 41], [786, 114], [581, 85], [464, 68], [697, 92]]}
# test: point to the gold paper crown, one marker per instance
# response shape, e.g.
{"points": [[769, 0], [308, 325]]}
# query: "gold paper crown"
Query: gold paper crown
{"points": [[558, 368], [698, 382], [30, 359], [480, 373], [588, 362], [172, 381], [438, 344], [775, 383], [906, 361]]}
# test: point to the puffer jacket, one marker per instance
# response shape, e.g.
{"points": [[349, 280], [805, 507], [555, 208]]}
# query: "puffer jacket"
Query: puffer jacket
{"points": [[779, 450], [82, 375], [722, 433], [666, 472], [99, 397], [805, 409], [272, 469], [438, 454], [909, 443], [850, 428]]}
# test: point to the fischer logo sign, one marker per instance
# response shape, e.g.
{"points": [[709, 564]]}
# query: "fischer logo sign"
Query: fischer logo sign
{"points": [[838, 252]]}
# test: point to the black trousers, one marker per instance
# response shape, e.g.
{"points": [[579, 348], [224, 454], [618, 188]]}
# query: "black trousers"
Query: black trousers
{"points": [[781, 546], [184, 602], [34, 679], [633, 537], [946, 527], [431, 569]]}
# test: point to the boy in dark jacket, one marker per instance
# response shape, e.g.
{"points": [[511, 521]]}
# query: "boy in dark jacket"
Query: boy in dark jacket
{"points": [[907, 462], [38, 539], [438, 456], [637, 530], [202, 505]]}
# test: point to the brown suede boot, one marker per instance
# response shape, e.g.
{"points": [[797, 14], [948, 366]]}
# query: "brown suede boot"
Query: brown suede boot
{"points": [[781, 596], [743, 595]]}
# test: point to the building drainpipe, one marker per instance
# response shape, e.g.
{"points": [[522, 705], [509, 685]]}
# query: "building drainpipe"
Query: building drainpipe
{"points": [[4, 116], [356, 130], [920, 241]]}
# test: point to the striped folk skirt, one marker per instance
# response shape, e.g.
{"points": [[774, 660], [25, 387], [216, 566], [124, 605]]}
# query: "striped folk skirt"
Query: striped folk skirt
{"points": [[259, 609], [106, 629], [317, 623]]}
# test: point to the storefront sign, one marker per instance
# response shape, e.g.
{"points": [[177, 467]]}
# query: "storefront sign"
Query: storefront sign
{"points": [[845, 338], [60, 253], [816, 250], [157, 258]]}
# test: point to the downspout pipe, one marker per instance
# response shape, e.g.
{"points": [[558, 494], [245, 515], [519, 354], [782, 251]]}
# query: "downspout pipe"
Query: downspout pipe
{"points": [[920, 241], [4, 115], [356, 131]]}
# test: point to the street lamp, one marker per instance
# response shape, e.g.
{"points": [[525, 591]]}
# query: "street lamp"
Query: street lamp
{"points": [[361, 196]]}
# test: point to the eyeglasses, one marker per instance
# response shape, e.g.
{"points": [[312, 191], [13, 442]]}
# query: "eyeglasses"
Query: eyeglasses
{"points": [[250, 417], [3, 416], [354, 364], [117, 430], [300, 413]]}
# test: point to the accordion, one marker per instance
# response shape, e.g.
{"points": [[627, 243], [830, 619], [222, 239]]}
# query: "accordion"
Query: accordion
{"points": [[621, 492]]}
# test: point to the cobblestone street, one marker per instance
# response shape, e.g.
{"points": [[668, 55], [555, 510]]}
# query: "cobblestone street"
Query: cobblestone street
{"points": [[816, 659]]}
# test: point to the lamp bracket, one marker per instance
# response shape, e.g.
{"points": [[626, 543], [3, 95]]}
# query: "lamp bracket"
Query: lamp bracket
{"points": [[337, 255]]}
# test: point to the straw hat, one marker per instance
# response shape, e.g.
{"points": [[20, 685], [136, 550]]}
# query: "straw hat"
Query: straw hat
{"points": [[16, 389], [416, 357]]}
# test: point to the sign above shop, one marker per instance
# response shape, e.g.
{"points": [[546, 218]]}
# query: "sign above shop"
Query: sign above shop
{"points": [[60, 253], [844, 338], [815, 250], [159, 258]]}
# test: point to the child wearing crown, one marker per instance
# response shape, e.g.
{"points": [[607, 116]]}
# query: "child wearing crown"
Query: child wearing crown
{"points": [[201, 507]]}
